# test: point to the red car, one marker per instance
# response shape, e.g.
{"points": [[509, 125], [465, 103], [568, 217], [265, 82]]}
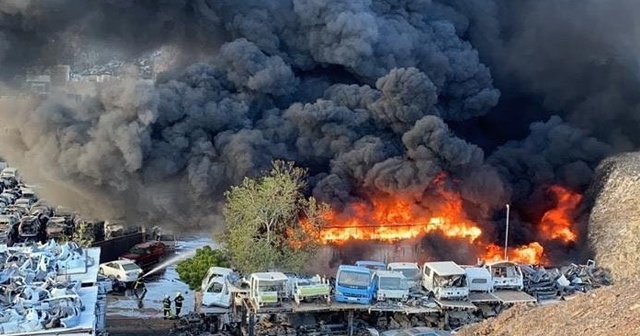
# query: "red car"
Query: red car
{"points": [[146, 254]]}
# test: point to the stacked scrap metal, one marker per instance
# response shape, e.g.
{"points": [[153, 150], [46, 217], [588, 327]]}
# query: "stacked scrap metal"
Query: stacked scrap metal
{"points": [[545, 284], [279, 328]]}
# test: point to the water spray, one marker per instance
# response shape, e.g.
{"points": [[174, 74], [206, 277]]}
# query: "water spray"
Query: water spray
{"points": [[176, 258]]}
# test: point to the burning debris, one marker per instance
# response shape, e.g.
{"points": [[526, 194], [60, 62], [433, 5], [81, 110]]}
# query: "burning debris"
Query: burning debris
{"points": [[393, 219]]}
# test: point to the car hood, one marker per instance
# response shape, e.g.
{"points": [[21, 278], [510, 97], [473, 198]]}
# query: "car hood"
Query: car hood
{"points": [[130, 256]]}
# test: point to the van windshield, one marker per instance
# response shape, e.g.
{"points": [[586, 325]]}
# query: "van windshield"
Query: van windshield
{"points": [[353, 279], [410, 273], [393, 283]]}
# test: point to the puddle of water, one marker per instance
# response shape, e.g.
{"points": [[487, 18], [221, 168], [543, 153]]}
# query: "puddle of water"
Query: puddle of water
{"points": [[158, 285]]}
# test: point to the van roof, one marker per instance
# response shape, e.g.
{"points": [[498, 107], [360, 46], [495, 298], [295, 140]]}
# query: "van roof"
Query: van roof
{"points": [[403, 265], [478, 272], [445, 268], [10, 170], [370, 262], [354, 269], [270, 276], [501, 263], [389, 274]]}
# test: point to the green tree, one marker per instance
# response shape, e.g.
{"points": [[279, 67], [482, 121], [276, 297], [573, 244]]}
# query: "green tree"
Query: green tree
{"points": [[83, 234], [270, 224], [193, 270]]}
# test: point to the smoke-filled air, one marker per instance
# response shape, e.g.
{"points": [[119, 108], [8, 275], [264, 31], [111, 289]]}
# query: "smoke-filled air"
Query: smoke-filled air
{"points": [[415, 118]]}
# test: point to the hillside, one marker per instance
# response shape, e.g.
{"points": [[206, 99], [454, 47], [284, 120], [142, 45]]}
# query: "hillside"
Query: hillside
{"points": [[612, 310], [613, 232]]}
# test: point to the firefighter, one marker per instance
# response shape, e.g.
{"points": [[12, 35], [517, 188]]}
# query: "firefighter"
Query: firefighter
{"points": [[139, 286], [178, 300], [166, 307]]}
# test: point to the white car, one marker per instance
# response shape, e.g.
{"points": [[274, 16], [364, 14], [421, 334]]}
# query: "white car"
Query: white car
{"points": [[122, 270]]}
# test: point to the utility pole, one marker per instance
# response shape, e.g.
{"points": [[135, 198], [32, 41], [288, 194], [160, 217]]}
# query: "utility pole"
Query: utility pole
{"points": [[506, 236]]}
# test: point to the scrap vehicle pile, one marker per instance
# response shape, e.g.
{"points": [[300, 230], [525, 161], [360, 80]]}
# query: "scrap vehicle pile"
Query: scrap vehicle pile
{"points": [[26, 218], [36, 294], [441, 295], [545, 284]]}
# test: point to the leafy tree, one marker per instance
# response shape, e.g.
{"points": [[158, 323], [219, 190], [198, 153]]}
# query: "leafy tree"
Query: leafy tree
{"points": [[193, 270], [83, 234], [270, 224]]}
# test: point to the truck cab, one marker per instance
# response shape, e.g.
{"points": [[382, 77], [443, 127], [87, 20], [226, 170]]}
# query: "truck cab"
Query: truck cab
{"points": [[371, 264], [268, 288], [479, 279], [390, 285], [506, 275], [353, 285], [218, 288], [445, 279], [410, 270]]}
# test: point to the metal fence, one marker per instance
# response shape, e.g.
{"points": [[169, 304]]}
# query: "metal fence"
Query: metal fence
{"points": [[113, 248]]}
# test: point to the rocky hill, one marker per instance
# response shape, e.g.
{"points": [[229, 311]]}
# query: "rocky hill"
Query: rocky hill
{"points": [[613, 310], [614, 240], [614, 224]]}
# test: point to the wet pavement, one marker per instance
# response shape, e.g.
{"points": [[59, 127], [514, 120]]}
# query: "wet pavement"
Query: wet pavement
{"points": [[158, 285]]}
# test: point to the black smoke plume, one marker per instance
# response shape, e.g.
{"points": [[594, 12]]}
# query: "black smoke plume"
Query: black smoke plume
{"points": [[372, 96]]}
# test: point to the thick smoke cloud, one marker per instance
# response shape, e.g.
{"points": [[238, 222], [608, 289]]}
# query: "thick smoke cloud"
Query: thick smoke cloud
{"points": [[372, 96]]}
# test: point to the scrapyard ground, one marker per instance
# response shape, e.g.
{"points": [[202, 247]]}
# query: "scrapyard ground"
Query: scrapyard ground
{"points": [[127, 316]]}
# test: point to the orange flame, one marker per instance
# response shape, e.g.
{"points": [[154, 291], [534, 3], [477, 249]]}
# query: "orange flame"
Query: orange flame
{"points": [[532, 253], [557, 223], [394, 218]]}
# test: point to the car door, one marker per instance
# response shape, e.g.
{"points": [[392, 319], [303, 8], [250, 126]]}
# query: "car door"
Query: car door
{"points": [[108, 269]]}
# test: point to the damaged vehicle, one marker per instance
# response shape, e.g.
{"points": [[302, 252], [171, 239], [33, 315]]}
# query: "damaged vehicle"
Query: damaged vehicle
{"points": [[57, 227], [146, 254], [390, 285], [29, 229], [221, 288], [445, 280], [316, 287], [268, 288], [7, 222], [506, 275], [410, 270]]}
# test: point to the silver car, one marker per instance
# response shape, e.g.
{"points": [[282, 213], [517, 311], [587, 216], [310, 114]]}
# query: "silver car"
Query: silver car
{"points": [[416, 331]]}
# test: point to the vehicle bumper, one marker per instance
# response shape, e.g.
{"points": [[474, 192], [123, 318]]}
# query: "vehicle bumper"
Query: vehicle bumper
{"points": [[349, 299]]}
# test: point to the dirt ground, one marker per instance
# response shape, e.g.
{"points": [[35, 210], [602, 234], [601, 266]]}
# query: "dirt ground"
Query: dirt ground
{"points": [[611, 310], [136, 326]]}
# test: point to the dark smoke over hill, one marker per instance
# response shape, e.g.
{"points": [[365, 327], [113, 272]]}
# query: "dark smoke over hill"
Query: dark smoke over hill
{"points": [[370, 95]]}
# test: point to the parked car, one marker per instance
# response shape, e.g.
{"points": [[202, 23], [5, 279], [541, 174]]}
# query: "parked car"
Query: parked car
{"points": [[146, 254], [122, 270]]}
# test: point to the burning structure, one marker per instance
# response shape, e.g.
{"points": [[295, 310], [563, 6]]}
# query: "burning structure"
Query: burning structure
{"points": [[412, 231], [415, 119]]}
